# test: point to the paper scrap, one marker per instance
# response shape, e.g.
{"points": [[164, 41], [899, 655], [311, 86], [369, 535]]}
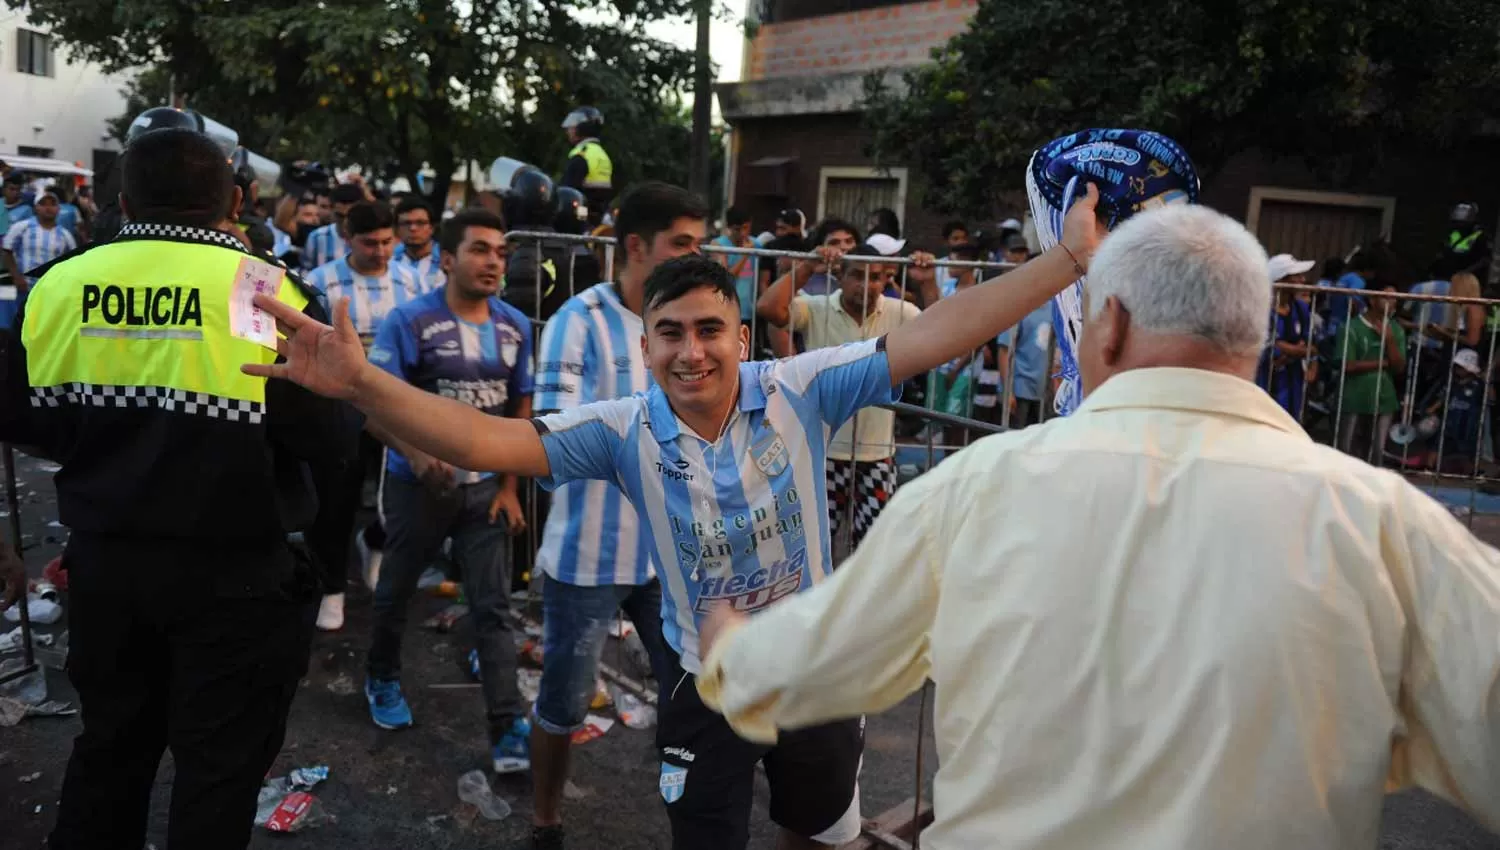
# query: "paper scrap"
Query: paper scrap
{"points": [[247, 321]]}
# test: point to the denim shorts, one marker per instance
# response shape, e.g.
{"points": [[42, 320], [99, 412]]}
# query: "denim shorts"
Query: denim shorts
{"points": [[576, 621]]}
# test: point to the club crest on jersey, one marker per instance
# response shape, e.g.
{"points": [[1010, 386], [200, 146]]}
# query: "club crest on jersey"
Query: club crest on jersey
{"points": [[673, 782], [769, 451]]}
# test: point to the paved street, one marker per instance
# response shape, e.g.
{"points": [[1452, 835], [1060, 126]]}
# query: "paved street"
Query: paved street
{"points": [[397, 790]]}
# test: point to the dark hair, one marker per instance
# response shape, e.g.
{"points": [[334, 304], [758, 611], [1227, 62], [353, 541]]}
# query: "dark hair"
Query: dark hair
{"points": [[454, 228], [650, 208], [952, 226], [885, 222], [734, 217], [368, 217], [792, 215], [830, 225], [346, 193], [412, 203], [321, 192], [176, 176], [307, 199], [862, 250], [15, 178], [1362, 261], [1333, 268], [680, 275]]}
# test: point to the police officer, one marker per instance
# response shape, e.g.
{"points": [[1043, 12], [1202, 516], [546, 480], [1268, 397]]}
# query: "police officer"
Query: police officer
{"points": [[109, 220], [1467, 248], [542, 273], [589, 169], [182, 481]]}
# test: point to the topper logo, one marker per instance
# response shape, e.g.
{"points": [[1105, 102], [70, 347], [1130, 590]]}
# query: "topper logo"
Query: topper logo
{"points": [[1105, 152]]}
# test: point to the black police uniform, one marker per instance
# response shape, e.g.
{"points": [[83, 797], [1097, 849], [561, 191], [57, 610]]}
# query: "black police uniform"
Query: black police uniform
{"points": [[190, 609]]}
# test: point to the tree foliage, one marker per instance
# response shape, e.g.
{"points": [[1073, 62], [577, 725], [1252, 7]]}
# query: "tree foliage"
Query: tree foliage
{"points": [[402, 85], [1338, 82]]}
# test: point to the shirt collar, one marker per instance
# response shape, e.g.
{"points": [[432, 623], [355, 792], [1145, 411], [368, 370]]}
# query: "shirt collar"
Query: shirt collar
{"points": [[179, 233], [1194, 390], [663, 421]]}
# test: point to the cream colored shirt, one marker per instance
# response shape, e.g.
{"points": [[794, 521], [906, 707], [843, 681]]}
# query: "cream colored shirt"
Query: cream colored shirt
{"points": [[1170, 620], [824, 323]]}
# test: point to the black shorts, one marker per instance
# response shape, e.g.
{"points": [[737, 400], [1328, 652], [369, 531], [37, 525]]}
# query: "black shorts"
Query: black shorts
{"points": [[708, 775]]}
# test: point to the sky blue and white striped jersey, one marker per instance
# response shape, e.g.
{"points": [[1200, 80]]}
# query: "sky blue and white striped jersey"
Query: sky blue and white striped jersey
{"points": [[35, 245], [743, 520], [371, 299], [323, 246], [281, 241], [591, 351], [429, 268]]}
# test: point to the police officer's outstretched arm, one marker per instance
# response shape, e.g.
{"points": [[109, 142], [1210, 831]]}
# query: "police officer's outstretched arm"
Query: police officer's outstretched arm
{"points": [[331, 361]]}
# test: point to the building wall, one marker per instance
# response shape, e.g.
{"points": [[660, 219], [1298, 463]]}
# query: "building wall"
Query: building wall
{"points": [[892, 36], [70, 107], [1424, 185], [817, 142]]}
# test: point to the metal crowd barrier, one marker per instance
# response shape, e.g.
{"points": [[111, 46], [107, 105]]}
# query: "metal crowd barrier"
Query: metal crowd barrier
{"points": [[1318, 375]]}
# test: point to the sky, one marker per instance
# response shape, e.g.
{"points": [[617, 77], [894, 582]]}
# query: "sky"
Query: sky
{"points": [[725, 41]]}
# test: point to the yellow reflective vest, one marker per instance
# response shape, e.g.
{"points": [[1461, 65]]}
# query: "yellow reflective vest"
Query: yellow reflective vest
{"points": [[601, 170], [132, 380]]}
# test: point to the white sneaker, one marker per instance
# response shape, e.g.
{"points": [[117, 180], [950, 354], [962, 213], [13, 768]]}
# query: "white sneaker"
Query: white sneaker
{"points": [[331, 613], [369, 560]]}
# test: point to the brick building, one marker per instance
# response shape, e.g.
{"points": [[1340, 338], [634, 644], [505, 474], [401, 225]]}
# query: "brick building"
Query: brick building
{"points": [[797, 139]]}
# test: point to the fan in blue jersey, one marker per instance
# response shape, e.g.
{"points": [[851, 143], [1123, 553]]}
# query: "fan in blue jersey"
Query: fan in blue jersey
{"points": [[463, 343], [418, 250], [595, 552], [39, 240], [327, 243], [373, 286], [724, 463]]}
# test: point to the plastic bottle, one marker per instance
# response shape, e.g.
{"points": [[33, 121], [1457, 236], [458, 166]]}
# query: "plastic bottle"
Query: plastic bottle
{"points": [[474, 789]]}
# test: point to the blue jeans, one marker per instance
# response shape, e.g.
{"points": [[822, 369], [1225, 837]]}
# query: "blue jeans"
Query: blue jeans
{"points": [[575, 622]]}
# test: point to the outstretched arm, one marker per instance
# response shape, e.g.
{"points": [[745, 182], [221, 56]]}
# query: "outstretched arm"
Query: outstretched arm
{"points": [[331, 361], [956, 326]]}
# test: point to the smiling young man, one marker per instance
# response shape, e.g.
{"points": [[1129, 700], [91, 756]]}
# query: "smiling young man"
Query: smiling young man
{"points": [[724, 462], [461, 342]]}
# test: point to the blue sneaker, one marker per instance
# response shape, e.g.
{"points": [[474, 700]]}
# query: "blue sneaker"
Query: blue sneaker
{"points": [[513, 753], [388, 707]]}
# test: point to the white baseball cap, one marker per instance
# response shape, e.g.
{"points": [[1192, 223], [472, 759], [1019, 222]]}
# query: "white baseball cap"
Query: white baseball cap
{"points": [[1283, 266], [885, 244], [1467, 360]]}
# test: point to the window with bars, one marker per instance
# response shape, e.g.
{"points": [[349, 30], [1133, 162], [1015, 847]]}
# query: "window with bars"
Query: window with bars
{"points": [[854, 198], [34, 53]]}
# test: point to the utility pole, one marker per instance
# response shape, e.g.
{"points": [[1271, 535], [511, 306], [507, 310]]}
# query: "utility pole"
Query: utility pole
{"points": [[698, 162]]}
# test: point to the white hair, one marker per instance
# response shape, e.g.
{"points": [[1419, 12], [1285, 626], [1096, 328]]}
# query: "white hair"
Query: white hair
{"points": [[1186, 270]]}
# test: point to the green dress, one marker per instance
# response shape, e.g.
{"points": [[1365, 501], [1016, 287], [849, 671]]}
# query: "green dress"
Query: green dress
{"points": [[1370, 392]]}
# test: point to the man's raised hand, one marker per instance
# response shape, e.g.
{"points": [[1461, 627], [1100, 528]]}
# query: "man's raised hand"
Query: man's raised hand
{"points": [[1082, 229], [326, 360]]}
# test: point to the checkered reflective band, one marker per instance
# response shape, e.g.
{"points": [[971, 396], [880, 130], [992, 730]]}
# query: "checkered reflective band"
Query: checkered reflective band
{"points": [[165, 398], [178, 233]]}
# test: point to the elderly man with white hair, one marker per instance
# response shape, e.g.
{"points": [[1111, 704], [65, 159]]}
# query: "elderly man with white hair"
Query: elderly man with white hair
{"points": [[1170, 620]]}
